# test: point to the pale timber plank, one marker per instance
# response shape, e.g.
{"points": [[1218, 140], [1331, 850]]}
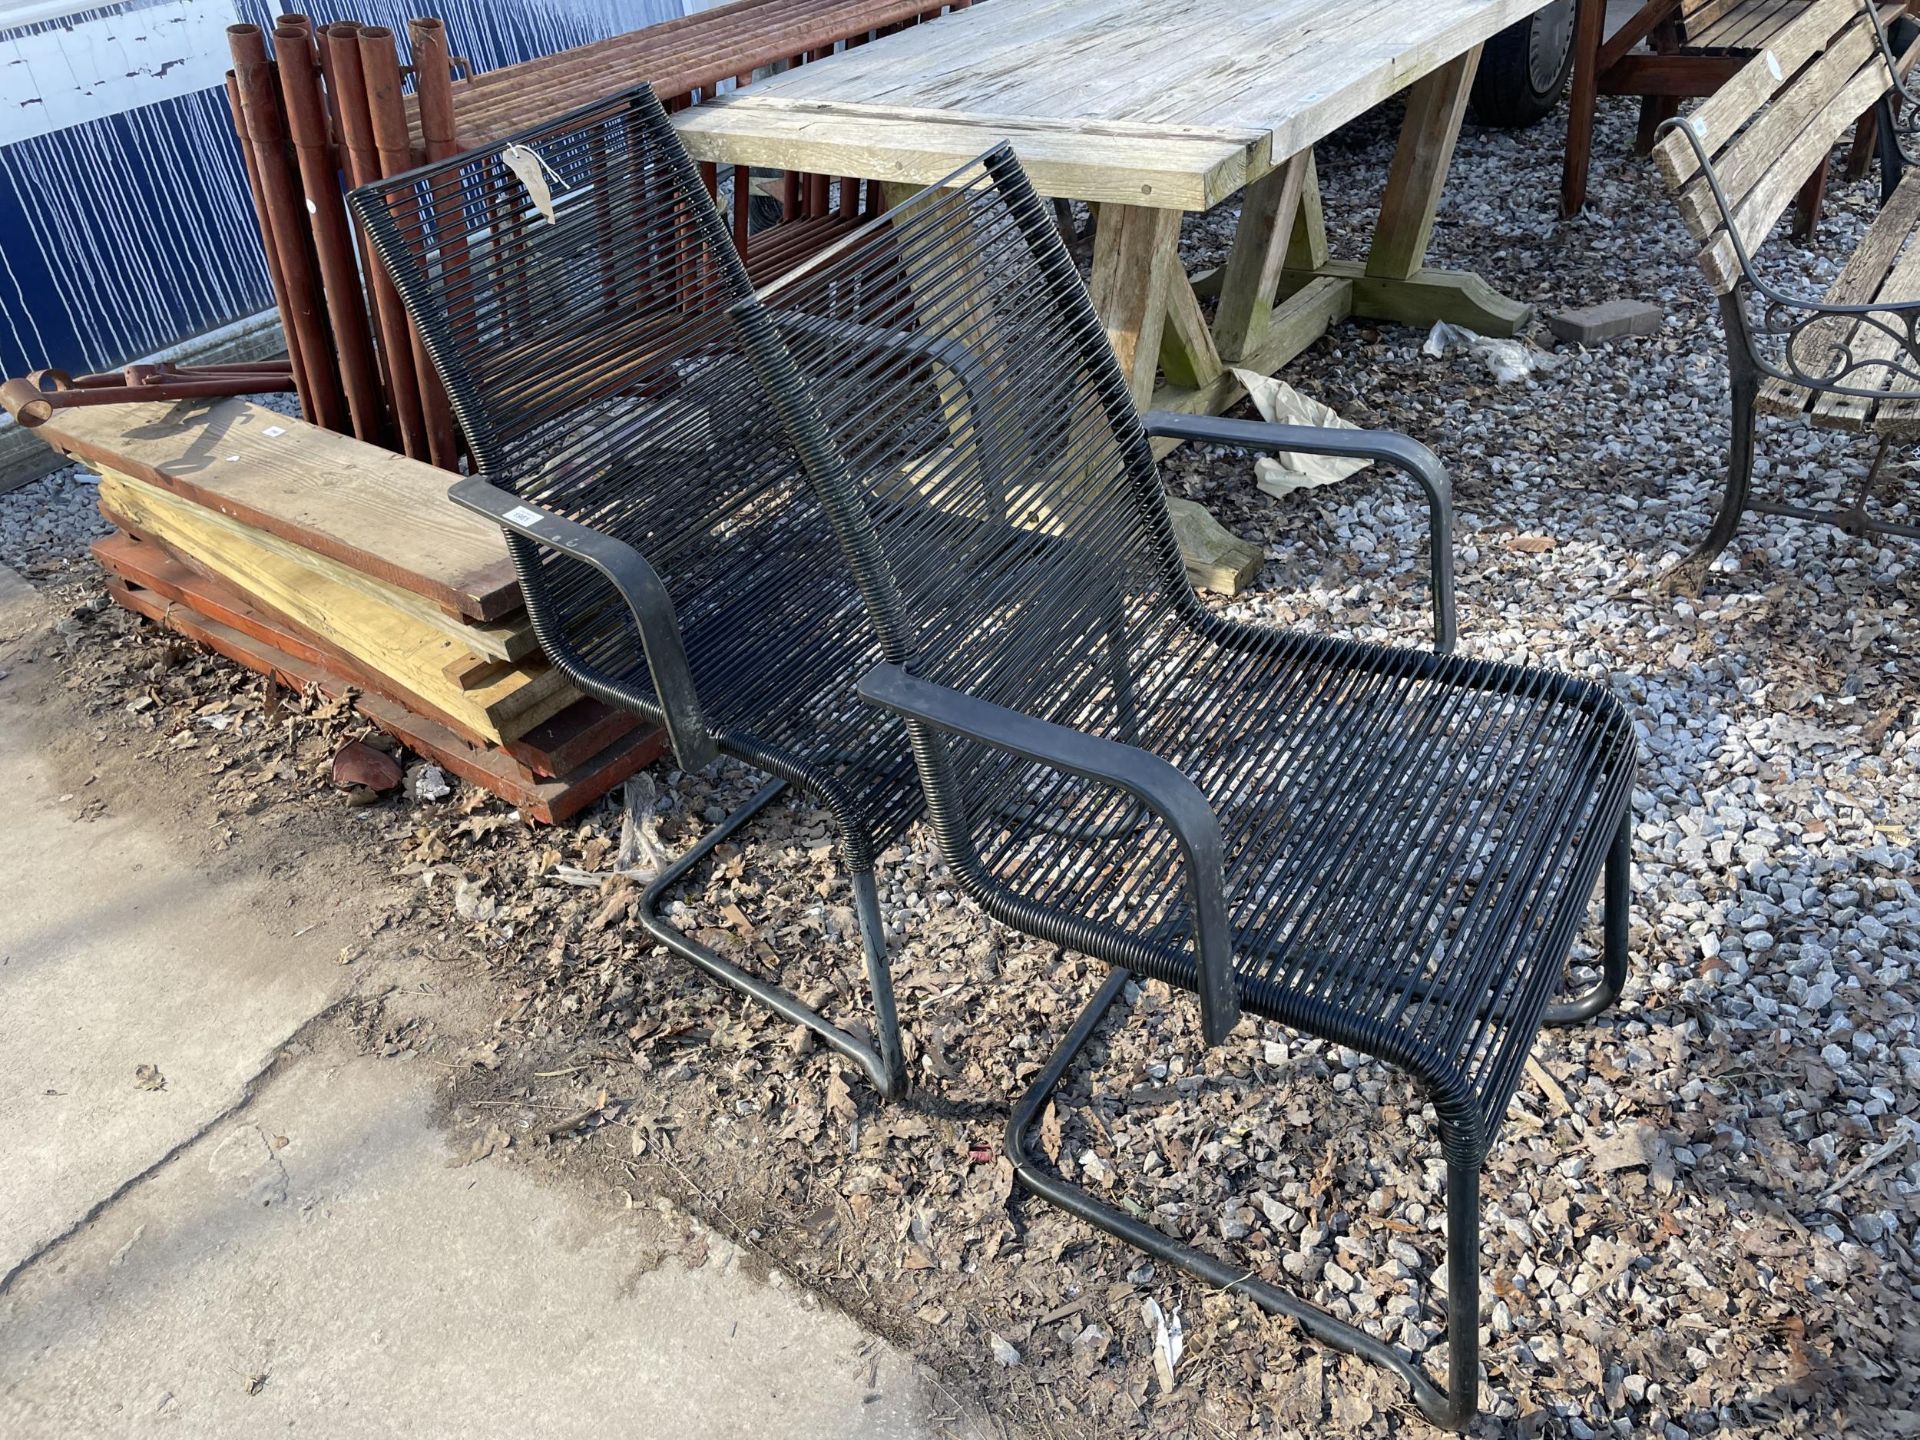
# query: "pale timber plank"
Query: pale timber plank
{"points": [[365, 507], [376, 635], [1186, 169]]}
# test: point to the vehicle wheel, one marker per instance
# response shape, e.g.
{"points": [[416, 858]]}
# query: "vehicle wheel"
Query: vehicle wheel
{"points": [[1524, 68]]}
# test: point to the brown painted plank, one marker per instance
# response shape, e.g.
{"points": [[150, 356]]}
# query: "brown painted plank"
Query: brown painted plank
{"points": [[553, 747], [365, 507], [547, 800]]}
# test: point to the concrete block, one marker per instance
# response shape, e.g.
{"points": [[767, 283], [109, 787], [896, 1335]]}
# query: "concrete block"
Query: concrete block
{"points": [[1590, 324]]}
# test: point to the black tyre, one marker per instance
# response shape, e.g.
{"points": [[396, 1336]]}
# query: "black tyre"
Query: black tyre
{"points": [[1524, 68]]}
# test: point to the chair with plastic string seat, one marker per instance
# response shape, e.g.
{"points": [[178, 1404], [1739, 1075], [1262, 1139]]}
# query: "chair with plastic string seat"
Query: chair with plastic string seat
{"points": [[570, 285], [1389, 848]]}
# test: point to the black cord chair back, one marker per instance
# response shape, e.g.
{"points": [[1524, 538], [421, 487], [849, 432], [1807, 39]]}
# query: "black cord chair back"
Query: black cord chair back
{"points": [[959, 407], [991, 444], [571, 287]]}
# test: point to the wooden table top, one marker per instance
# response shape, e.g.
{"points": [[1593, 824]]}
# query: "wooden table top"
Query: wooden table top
{"points": [[1172, 105]]}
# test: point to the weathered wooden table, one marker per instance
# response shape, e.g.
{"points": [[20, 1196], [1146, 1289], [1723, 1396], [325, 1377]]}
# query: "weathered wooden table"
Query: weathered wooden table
{"points": [[1149, 111]]}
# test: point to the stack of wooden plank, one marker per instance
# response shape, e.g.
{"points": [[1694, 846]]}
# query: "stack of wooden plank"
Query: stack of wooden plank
{"points": [[325, 561]]}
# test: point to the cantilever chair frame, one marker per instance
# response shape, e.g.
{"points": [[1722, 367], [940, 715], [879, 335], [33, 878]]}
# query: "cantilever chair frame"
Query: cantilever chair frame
{"points": [[1765, 324], [676, 704], [934, 710]]}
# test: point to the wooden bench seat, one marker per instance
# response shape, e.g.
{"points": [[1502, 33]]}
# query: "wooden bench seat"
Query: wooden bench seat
{"points": [[1885, 269], [1736, 25]]}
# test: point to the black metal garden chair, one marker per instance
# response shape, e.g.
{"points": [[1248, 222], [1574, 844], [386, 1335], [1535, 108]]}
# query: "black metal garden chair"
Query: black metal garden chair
{"points": [[571, 288], [1848, 360], [1389, 848]]}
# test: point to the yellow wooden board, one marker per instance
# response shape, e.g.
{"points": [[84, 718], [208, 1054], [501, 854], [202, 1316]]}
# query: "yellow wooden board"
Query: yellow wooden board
{"points": [[419, 658], [510, 639], [368, 508]]}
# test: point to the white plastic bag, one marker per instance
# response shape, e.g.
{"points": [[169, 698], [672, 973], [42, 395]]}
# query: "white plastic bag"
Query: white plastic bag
{"points": [[1506, 360], [1280, 404]]}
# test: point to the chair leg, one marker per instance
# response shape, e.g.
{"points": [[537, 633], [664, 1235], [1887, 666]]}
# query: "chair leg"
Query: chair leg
{"points": [[1453, 1407], [1854, 519], [1615, 912], [883, 1063], [1690, 574]]}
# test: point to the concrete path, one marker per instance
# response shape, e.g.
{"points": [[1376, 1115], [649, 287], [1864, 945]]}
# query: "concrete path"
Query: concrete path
{"points": [[260, 1235]]}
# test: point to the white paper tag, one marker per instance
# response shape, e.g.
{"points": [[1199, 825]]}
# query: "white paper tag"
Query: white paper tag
{"points": [[533, 171], [273, 430], [521, 515], [1773, 64]]}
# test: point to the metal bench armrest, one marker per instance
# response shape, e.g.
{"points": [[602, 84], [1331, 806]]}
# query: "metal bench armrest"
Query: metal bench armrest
{"points": [[627, 570], [1157, 785], [1389, 447], [1898, 65]]}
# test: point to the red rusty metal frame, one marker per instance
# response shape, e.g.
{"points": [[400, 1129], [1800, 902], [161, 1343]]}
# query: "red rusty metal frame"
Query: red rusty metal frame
{"points": [[32, 399]]}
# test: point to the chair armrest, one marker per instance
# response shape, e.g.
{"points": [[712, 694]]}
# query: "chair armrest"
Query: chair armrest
{"points": [[1156, 784], [952, 355], [941, 349], [630, 574], [1402, 452]]}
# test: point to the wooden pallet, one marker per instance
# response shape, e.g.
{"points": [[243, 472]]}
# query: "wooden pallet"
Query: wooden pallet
{"points": [[551, 773]]}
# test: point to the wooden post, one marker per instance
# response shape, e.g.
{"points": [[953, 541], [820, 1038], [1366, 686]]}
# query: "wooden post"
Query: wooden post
{"points": [[1307, 250], [1187, 351], [1134, 249], [1436, 103], [1259, 254], [1589, 29], [1809, 203]]}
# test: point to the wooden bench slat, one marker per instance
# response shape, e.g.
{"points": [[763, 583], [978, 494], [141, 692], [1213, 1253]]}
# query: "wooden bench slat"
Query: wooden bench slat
{"points": [[1769, 198], [1864, 278], [1696, 15], [1748, 26], [1902, 282], [1720, 116], [1766, 143]]}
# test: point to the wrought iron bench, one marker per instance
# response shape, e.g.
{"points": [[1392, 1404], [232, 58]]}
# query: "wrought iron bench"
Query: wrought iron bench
{"points": [[571, 286], [1389, 848], [1849, 360]]}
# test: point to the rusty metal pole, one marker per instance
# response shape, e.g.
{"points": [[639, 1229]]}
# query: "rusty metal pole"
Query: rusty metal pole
{"points": [[332, 243], [275, 279], [433, 84], [386, 107], [266, 133], [303, 22], [362, 164], [433, 89]]}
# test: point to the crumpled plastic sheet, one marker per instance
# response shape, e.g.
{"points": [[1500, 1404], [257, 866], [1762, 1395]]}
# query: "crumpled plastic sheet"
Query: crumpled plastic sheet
{"points": [[1506, 360], [1279, 403]]}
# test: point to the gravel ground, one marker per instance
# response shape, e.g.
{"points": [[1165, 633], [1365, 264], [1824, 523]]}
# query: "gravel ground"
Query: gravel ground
{"points": [[46, 525], [1699, 1215]]}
